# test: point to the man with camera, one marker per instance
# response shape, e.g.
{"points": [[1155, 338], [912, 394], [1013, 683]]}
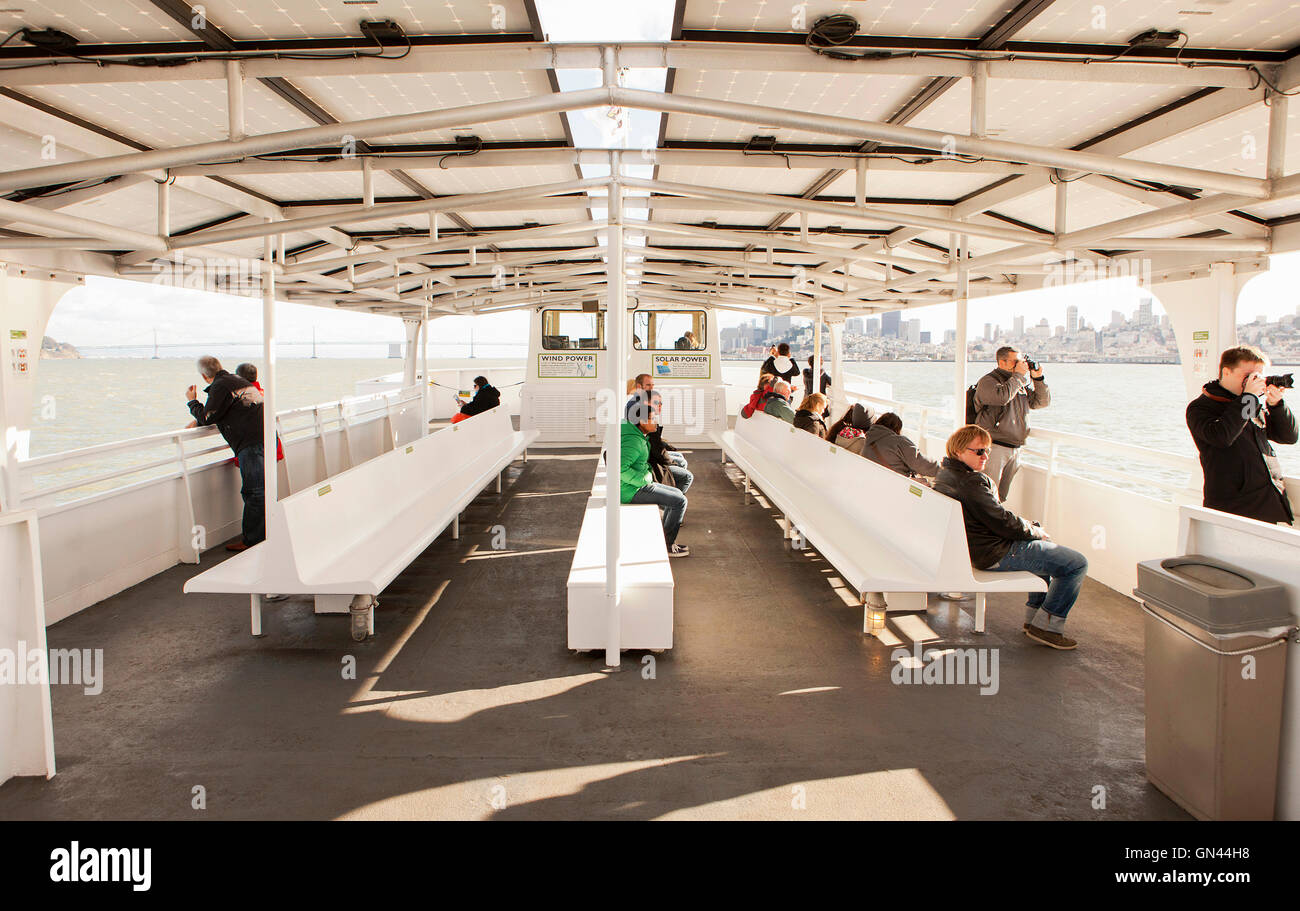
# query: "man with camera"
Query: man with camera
{"points": [[1232, 422], [1002, 401]]}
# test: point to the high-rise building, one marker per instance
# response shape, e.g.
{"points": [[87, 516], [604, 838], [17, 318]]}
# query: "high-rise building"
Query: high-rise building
{"points": [[1071, 320], [854, 325], [780, 326], [925, 338], [1019, 324], [872, 327], [889, 323], [949, 336], [1144, 313], [914, 331], [988, 332], [1116, 319]]}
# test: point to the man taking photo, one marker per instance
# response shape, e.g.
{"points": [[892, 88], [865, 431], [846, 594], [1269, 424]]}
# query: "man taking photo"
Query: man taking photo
{"points": [[1232, 422], [1003, 399]]}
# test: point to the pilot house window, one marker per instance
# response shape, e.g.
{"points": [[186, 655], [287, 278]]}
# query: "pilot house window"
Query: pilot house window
{"points": [[568, 330], [668, 330]]}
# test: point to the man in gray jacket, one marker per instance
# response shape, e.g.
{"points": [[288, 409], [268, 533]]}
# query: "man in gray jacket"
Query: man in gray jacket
{"points": [[885, 445], [1003, 399]]}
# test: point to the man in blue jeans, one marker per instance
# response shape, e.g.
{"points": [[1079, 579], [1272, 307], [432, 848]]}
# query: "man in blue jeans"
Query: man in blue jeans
{"points": [[1001, 541], [636, 481], [235, 406]]}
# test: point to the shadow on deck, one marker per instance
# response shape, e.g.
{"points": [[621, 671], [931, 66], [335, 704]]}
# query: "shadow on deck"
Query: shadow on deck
{"points": [[467, 704]]}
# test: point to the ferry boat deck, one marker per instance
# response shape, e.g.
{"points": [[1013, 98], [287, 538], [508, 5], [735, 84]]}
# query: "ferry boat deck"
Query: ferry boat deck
{"points": [[770, 705]]}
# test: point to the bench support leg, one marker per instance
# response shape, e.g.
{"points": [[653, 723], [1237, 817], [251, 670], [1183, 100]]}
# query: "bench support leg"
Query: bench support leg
{"points": [[785, 526], [455, 528], [500, 474], [979, 612], [746, 489], [255, 613]]}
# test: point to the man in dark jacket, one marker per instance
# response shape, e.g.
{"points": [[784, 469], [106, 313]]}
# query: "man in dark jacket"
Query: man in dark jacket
{"points": [[779, 364], [807, 379], [1232, 422], [486, 396], [1001, 541], [1003, 399], [235, 406]]}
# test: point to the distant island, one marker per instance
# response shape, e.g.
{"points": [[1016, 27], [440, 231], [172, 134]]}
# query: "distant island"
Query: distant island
{"points": [[52, 349]]}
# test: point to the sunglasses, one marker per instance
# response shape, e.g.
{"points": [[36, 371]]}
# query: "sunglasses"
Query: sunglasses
{"points": [[982, 453]]}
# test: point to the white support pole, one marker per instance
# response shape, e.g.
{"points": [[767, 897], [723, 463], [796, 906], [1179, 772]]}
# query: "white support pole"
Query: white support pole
{"points": [[817, 350], [1058, 219], [958, 254], [860, 188], [164, 209], [367, 183], [433, 226], [838, 400], [1225, 287], [270, 382], [424, 357], [235, 98], [615, 316], [1277, 124], [979, 88]]}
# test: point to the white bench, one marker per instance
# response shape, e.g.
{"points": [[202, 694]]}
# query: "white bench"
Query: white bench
{"points": [[645, 577], [345, 539], [882, 532]]}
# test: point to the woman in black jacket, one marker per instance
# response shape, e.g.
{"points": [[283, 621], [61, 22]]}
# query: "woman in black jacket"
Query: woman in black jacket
{"points": [[1001, 541], [486, 397], [1232, 422], [809, 416]]}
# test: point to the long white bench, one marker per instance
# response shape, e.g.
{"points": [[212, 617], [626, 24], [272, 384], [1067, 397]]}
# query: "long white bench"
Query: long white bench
{"points": [[882, 532], [345, 539], [645, 577]]}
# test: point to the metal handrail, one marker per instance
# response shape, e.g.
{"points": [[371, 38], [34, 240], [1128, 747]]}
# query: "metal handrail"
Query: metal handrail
{"points": [[382, 404]]}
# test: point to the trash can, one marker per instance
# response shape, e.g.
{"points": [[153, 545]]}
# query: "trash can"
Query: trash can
{"points": [[1216, 639]]}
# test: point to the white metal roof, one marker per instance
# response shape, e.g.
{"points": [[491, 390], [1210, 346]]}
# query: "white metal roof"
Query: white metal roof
{"points": [[974, 118]]}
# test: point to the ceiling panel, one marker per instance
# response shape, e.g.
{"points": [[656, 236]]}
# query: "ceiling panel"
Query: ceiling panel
{"points": [[1245, 24], [932, 18]]}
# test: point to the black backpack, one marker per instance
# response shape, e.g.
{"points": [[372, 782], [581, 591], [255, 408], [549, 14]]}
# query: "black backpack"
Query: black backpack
{"points": [[970, 405]]}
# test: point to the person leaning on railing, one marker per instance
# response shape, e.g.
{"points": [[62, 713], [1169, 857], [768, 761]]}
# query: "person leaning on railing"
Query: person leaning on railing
{"points": [[809, 415], [1001, 541], [1232, 422]]}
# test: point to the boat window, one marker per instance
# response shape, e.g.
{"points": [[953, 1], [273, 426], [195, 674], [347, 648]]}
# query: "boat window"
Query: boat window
{"points": [[568, 329], [668, 330]]}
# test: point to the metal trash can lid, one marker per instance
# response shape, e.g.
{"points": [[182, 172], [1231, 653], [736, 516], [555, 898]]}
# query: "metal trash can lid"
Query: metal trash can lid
{"points": [[1218, 597]]}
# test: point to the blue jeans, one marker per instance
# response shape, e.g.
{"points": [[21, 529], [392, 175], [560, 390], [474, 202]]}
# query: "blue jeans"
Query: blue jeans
{"points": [[673, 503], [253, 490], [1061, 567], [681, 477], [675, 458]]}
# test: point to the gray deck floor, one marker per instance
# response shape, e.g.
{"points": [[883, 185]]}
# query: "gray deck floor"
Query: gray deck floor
{"points": [[468, 705]]}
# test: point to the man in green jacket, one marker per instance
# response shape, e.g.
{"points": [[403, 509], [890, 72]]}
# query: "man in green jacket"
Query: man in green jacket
{"points": [[636, 482], [777, 402]]}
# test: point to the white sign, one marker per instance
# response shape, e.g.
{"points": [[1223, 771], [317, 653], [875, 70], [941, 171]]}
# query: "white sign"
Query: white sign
{"points": [[682, 366], [566, 366]]}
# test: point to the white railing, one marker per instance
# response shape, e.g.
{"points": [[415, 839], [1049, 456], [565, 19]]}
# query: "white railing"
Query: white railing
{"points": [[93, 470], [1148, 470]]}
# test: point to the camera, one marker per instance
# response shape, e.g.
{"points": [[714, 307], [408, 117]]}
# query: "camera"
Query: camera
{"points": [[1031, 363], [1281, 381]]}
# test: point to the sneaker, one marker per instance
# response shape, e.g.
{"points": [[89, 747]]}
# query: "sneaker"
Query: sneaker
{"points": [[274, 597], [679, 550], [1049, 638], [236, 546]]}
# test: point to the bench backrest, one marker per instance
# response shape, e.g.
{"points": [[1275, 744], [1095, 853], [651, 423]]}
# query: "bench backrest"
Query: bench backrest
{"points": [[907, 518], [317, 526]]}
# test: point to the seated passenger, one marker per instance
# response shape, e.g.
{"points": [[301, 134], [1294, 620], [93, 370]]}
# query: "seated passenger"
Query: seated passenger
{"points": [[666, 461], [776, 401], [1001, 541], [850, 431], [886, 445], [486, 396], [636, 480], [809, 415], [764, 385]]}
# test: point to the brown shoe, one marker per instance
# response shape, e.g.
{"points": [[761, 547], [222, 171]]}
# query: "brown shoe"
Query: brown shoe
{"points": [[1049, 638], [236, 546]]}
